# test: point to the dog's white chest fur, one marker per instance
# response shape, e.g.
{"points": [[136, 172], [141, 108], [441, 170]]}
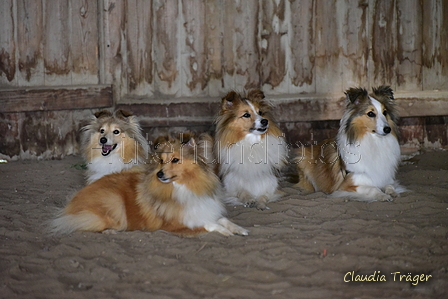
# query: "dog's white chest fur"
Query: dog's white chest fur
{"points": [[101, 166], [198, 210], [375, 156], [251, 164]]}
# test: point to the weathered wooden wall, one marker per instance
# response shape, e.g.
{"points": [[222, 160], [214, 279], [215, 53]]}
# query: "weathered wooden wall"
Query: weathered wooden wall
{"points": [[159, 53]]}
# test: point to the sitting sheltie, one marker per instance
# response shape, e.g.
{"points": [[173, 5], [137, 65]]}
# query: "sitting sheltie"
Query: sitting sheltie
{"points": [[362, 161], [250, 149], [112, 143], [180, 194]]}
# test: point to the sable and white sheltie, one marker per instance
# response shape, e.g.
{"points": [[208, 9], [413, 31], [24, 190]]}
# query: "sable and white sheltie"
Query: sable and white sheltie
{"points": [[362, 161], [112, 143], [250, 149], [179, 194]]}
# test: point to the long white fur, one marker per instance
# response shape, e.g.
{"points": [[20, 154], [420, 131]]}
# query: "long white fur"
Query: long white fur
{"points": [[373, 162], [204, 211], [256, 158], [101, 166]]}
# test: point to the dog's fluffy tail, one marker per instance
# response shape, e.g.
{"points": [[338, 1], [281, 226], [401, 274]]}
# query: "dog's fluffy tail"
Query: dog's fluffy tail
{"points": [[66, 224]]}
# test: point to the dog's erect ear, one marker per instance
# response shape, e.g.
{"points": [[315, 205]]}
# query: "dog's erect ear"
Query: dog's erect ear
{"points": [[102, 113], [356, 95], [384, 90], [122, 114], [161, 142], [191, 142], [255, 95], [230, 101]]}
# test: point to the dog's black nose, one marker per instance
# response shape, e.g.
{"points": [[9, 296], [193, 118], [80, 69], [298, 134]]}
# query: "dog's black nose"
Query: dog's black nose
{"points": [[103, 140], [264, 122], [387, 130], [160, 174]]}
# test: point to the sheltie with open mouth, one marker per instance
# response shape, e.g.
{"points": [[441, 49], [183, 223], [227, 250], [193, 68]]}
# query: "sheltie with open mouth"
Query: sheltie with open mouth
{"points": [[361, 162], [112, 143], [250, 149], [179, 194]]}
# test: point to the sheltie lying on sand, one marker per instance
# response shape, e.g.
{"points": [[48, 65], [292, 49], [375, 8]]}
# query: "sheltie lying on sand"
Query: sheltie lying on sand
{"points": [[250, 148], [112, 143], [180, 194], [362, 161]]}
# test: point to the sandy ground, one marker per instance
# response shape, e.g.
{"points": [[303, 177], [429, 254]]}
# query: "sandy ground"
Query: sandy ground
{"points": [[304, 246]]}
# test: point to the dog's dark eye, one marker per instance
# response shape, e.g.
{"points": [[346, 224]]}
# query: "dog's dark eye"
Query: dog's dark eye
{"points": [[260, 113], [246, 115], [102, 131], [385, 113], [175, 160], [116, 132], [371, 114]]}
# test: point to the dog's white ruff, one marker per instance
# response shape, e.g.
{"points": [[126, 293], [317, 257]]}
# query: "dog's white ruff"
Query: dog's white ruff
{"points": [[251, 166], [205, 211]]}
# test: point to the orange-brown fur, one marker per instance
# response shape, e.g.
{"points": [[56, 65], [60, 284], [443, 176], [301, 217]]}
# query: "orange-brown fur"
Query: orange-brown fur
{"points": [[231, 128], [138, 199], [321, 164]]}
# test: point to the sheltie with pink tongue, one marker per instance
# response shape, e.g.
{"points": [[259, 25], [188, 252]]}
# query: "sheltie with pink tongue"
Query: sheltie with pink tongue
{"points": [[112, 143]]}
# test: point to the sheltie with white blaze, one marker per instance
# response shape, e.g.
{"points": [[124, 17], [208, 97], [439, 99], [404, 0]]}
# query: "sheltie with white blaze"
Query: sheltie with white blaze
{"points": [[112, 143], [250, 149], [179, 194], [362, 161]]}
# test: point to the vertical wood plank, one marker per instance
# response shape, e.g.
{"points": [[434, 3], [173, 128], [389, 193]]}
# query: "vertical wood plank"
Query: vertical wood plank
{"points": [[382, 62], [193, 53], [29, 35], [214, 46], [84, 42], [354, 43], [435, 44], [247, 48], [409, 45], [139, 32], [328, 68], [113, 26], [228, 44], [302, 36], [166, 48], [7, 44], [274, 38], [57, 60]]}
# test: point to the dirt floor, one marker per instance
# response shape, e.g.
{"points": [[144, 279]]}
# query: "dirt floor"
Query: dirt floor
{"points": [[303, 247]]}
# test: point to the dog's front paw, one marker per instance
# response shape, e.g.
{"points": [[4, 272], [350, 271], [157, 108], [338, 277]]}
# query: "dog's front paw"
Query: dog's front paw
{"points": [[250, 204], [231, 227], [261, 206], [259, 203], [109, 231], [390, 190], [385, 197]]}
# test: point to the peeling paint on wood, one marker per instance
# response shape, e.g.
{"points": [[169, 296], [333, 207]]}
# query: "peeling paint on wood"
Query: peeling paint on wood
{"points": [[7, 42], [30, 35], [273, 43], [166, 48], [384, 43], [302, 46], [57, 58], [174, 54]]}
